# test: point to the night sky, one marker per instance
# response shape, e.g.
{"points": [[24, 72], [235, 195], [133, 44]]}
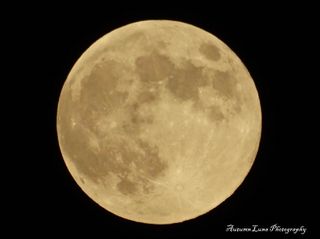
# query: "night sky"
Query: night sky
{"points": [[274, 42]]}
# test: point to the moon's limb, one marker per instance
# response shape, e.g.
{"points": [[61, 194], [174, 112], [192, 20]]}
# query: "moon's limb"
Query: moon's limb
{"points": [[159, 122]]}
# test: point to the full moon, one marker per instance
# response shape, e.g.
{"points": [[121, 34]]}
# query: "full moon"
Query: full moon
{"points": [[159, 122]]}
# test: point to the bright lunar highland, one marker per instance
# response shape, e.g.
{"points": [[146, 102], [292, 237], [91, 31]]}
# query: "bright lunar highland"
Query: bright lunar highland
{"points": [[159, 122]]}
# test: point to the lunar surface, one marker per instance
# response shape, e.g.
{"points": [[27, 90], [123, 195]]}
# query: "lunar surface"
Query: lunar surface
{"points": [[159, 122]]}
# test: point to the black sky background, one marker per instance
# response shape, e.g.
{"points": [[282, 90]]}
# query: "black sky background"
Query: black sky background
{"points": [[275, 43]]}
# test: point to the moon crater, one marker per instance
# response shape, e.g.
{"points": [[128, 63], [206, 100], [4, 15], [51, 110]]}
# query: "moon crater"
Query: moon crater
{"points": [[210, 51]]}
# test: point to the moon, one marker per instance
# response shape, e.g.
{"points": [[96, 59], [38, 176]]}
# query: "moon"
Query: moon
{"points": [[159, 122]]}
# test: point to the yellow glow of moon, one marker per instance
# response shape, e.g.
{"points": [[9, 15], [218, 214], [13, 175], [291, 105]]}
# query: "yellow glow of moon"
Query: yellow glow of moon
{"points": [[159, 122]]}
